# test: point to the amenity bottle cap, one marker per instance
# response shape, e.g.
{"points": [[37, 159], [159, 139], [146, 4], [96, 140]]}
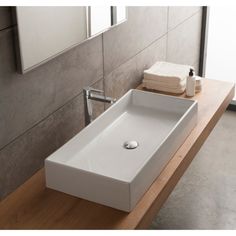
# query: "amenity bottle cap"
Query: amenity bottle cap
{"points": [[191, 72]]}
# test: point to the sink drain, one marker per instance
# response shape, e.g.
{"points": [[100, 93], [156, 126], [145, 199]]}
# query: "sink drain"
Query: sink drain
{"points": [[131, 144]]}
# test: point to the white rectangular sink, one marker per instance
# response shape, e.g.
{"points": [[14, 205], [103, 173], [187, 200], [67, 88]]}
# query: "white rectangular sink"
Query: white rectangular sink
{"points": [[96, 166]]}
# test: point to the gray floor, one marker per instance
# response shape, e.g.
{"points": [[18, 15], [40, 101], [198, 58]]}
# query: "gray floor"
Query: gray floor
{"points": [[205, 197]]}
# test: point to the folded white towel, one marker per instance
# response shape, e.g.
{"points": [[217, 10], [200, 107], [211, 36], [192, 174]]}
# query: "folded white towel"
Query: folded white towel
{"points": [[163, 88], [166, 84], [166, 72]]}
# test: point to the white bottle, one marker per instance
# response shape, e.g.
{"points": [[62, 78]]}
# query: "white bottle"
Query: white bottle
{"points": [[190, 84]]}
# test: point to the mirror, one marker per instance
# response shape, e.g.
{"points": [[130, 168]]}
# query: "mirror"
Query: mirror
{"points": [[45, 32]]}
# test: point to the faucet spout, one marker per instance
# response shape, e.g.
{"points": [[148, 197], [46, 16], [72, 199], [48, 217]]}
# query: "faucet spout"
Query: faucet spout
{"points": [[102, 98]]}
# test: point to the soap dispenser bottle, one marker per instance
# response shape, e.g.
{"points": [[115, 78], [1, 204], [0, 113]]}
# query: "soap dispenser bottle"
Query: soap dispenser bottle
{"points": [[190, 84]]}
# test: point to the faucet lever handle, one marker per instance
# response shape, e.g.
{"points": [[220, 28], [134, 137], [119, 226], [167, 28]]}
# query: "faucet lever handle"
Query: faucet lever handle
{"points": [[89, 90], [96, 90]]}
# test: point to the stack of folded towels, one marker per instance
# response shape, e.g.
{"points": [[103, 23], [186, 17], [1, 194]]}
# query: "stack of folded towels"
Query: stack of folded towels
{"points": [[166, 77]]}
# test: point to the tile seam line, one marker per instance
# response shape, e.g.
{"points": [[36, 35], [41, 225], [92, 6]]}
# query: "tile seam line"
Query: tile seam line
{"points": [[46, 117], [167, 35], [7, 28]]}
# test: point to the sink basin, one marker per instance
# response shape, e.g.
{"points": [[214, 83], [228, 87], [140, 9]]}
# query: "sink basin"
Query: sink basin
{"points": [[98, 166]]}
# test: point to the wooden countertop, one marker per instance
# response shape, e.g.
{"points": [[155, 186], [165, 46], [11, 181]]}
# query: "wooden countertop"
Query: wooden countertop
{"points": [[32, 206]]}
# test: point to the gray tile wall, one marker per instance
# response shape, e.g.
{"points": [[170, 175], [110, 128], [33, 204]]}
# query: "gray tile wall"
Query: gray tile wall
{"points": [[44, 108], [5, 17]]}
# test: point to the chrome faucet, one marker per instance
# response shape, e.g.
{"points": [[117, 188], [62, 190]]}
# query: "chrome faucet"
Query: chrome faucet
{"points": [[96, 95]]}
